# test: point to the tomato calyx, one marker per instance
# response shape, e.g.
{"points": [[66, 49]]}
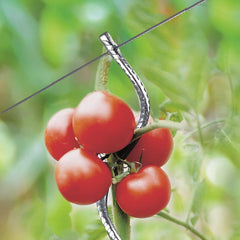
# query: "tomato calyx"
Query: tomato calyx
{"points": [[130, 166], [120, 167], [119, 177]]}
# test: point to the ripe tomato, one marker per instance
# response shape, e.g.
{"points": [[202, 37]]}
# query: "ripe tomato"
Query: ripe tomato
{"points": [[103, 123], [144, 193], [155, 146], [81, 177], [59, 136]]}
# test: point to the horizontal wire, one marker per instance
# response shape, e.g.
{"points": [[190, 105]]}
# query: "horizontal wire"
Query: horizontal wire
{"points": [[162, 22], [53, 83], [97, 58]]}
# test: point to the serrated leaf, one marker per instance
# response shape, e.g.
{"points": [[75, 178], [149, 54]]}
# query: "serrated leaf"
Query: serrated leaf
{"points": [[96, 231], [82, 217], [198, 198], [168, 83], [194, 220], [194, 160], [178, 204], [170, 106], [172, 61]]}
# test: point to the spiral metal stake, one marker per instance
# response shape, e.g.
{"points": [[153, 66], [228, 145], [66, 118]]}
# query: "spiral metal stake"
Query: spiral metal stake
{"points": [[114, 51]]}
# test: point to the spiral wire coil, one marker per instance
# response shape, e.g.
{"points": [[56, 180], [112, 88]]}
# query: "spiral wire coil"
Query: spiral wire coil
{"points": [[143, 98]]}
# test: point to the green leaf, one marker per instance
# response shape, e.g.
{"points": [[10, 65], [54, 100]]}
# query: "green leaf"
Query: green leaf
{"points": [[193, 160], [96, 231], [168, 83], [194, 220], [82, 217], [197, 202], [178, 65], [172, 107], [178, 204], [58, 214]]}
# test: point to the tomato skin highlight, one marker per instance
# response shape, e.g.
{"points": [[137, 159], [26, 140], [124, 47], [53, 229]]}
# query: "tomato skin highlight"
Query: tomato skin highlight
{"points": [[81, 177], [103, 123], [59, 137], [145, 193], [154, 146]]}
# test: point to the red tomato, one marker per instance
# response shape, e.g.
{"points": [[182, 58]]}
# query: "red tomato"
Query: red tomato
{"points": [[144, 193], [59, 136], [103, 123], [81, 177], [155, 146]]}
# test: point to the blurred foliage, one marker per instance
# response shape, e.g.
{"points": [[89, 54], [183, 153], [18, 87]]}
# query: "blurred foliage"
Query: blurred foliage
{"points": [[190, 67]]}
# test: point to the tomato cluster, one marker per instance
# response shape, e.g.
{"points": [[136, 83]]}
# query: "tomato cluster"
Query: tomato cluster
{"points": [[103, 123]]}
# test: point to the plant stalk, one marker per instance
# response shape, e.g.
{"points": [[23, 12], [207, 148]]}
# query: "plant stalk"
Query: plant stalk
{"points": [[181, 223], [121, 219], [159, 124], [101, 83]]}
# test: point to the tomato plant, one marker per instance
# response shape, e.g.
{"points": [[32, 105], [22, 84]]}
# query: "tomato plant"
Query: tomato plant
{"points": [[59, 136], [154, 148], [103, 123], [190, 68], [144, 193], [82, 177]]}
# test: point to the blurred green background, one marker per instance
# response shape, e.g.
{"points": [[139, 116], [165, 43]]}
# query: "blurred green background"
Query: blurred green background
{"points": [[190, 68]]}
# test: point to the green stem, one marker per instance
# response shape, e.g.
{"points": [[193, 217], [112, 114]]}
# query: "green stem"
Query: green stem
{"points": [[174, 126], [159, 124], [181, 223], [101, 83], [199, 129], [203, 127], [191, 205], [233, 105], [121, 219]]}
